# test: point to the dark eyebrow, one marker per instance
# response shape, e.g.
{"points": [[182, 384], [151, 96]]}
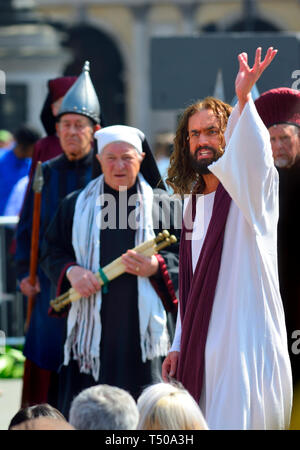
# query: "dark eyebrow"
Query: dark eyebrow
{"points": [[211, 127]]}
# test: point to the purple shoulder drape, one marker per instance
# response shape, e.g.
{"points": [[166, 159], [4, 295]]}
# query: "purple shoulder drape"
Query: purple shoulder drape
{"points": [[197, 291]]}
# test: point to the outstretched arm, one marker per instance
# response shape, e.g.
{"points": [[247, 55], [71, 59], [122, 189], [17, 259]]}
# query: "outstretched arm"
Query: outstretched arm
{"points": [[247, 77]]}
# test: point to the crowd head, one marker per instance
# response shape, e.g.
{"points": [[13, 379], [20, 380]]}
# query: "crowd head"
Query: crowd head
{"points": [[165, 406], [161, 406], [26, 418], [104, 407]]}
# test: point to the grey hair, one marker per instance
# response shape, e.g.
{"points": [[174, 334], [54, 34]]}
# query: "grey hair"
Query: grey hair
{"points": [[104, 407]]}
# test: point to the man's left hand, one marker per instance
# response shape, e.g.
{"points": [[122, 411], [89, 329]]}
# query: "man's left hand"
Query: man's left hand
{"points": [[140, 265]]}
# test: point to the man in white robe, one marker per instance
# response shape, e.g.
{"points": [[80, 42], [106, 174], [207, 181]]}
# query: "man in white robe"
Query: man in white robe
{"points": [[246, 381]]}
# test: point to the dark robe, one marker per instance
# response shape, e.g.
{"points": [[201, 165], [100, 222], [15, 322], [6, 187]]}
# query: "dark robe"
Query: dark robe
{"points": [[43, 338], [120, 354], [46, 148], [288, 257]]}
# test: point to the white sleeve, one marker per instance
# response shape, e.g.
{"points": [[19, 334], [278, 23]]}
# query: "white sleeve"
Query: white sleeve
{"points": [[247, 169], [176, 341]]}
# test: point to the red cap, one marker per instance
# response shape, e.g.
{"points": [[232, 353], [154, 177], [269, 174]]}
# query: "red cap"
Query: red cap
{"points": [[281, 105], [58, 87]]}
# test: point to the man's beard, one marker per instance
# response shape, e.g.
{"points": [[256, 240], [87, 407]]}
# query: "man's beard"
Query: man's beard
{"points": [[201, 165], [282, 163]]}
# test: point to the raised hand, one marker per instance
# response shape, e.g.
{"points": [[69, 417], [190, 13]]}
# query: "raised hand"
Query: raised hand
{"points": [[247, 77]]}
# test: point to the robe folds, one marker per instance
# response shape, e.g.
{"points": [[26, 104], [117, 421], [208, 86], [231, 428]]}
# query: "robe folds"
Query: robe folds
{"points": [[61, 176], [247, 372], [288, 259], [120, 352]]}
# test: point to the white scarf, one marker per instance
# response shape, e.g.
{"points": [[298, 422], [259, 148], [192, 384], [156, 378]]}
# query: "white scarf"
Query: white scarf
{"points": [[84, 322]]}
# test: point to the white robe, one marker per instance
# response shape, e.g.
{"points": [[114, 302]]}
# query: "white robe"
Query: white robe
{"points": [[247, 380]]}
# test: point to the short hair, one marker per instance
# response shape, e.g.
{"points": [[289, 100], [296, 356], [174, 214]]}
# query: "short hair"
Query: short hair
{"points": [[43, 423], [35, 411], [165, 406], [26, 136], [104, 407]]}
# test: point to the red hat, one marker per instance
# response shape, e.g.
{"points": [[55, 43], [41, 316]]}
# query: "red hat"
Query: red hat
{"points": [[58, 87], [281, 105]]}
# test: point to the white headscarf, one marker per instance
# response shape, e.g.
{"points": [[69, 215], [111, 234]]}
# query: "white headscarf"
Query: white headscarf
{"points": [[119, 133]]}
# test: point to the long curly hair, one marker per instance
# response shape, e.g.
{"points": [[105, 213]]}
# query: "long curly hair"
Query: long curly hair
{"points": [[181, 176]]}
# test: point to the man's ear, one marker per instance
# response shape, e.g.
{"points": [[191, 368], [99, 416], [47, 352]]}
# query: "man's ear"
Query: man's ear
{"points": [[95, 128], [57, 128]]}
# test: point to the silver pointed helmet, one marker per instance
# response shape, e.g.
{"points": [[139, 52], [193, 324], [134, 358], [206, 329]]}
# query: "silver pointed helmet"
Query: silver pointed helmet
{"points": [[81, 98]]}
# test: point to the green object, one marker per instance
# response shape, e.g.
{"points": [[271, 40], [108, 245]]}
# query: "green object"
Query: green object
{"points": [[105, 281], [12, 363], [6, 366], [5, 136]]}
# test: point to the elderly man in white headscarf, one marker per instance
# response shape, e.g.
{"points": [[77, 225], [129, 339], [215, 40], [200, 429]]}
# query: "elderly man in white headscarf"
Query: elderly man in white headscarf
{"points": [[116, 334]]}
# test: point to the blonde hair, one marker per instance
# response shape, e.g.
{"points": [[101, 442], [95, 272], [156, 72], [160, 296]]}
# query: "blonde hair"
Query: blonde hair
{"points": [[165, 406]]}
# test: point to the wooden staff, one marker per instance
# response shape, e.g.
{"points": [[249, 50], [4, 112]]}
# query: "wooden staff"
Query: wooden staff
{"points": [[37, 187], [116, 267]]}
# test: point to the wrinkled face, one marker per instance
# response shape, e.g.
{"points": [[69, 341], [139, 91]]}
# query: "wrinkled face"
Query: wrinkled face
{"points": [[285, 141], [75, 133], [205, 140], [120, 164]]}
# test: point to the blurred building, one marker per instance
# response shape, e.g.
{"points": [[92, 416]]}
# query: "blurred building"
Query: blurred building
{"points": [[48, 38]]}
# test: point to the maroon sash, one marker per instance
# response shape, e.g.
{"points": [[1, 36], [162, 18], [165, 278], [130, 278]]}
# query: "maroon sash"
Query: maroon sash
{"points": [[197, 291]]}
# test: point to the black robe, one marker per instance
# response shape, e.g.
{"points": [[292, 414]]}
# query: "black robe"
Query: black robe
{"points": [[289, 260], [120, 362]]}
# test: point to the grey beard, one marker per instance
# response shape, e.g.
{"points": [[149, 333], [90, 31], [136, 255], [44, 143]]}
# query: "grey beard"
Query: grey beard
{"points": [[281, 162]]}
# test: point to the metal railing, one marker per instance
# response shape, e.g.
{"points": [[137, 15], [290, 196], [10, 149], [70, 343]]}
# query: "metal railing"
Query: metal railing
{"points": [[11, 303]]}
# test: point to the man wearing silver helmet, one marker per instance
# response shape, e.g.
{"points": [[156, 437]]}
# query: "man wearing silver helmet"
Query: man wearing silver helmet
{"points": [[116, 334], [77, 120]]}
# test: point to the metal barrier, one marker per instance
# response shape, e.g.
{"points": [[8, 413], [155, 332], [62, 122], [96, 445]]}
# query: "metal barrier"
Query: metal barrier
{"points": [[12, 308]]}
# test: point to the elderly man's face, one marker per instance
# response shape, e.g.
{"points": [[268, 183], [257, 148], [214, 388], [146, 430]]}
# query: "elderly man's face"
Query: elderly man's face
{"points": [[120, 164], [75, 133], [285, 141], [205, 140]]}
